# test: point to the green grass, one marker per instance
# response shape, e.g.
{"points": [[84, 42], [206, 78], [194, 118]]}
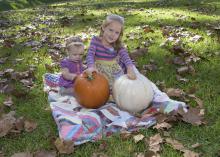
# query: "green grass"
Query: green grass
{"points": [[86, 17]]}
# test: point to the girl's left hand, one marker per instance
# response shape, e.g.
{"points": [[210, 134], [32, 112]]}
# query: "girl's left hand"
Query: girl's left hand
{"points": [[131, 74]]}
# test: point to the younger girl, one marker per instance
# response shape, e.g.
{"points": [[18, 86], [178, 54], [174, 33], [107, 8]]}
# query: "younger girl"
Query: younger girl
{"points": [[72, 65], [106, 53]]}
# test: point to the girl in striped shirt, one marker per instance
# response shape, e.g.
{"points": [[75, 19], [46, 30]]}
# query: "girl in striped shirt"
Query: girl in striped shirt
{"points": [[71, 66], [106, 53]]}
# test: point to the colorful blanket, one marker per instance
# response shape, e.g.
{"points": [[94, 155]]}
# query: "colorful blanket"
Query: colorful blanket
{"points": [[82, 125]]}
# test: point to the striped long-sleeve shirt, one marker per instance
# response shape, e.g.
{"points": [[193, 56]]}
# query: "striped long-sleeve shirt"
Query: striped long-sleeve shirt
{"points": [[97, 51]]}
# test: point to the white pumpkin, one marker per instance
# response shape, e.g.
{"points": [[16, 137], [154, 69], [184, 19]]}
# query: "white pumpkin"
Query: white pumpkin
{"points": [[133, 95]]}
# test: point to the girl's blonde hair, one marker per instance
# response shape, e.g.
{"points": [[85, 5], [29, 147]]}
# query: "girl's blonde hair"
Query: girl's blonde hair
{"points": [[73, 41], [109, 19]]}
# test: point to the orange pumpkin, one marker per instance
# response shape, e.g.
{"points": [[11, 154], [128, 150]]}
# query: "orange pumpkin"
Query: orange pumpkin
{"points": [[91, 91]]}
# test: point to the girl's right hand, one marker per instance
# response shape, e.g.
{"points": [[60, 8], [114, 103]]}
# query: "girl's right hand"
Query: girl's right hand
{"points": [[90, 70]]}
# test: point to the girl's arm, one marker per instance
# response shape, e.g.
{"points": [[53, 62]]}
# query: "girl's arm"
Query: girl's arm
{"points": [[67, 75], [90, 58], [124, 57]]}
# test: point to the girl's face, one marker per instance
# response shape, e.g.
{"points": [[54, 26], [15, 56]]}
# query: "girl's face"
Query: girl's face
{"points": [[75, 53], [111, 32]]}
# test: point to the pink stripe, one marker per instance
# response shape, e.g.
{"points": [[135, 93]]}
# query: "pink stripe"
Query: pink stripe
{"points": [[77, 134], [105, 54], [104, 59], [65, 130]]}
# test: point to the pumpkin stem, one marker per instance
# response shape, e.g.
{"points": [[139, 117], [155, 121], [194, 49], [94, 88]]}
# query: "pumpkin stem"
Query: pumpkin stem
{"points": [[90, 77]]}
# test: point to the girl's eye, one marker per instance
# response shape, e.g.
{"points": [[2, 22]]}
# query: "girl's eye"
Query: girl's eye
{"points": [[110, 30], [116, 32]]}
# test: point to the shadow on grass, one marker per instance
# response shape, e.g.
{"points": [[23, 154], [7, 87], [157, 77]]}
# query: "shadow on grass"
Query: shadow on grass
{"points": [[209, 7], [21, 4]]}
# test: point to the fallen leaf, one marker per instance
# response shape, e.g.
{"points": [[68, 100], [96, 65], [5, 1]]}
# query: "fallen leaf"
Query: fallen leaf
{"points": [[7, 89], [138, 138], [183, 70], [174, 92], [198, 101], [64, 147], [138, 53], [177, 49], [125, 135], [139, 154], [19, 124], [29, 125], [151, 154], [189, 153], [161, 126], [175, 144], [45, 153], [99, 155], [8, 102], [103, 146], [179, 60], [7, 122], [196, 38], [154, 143], [196, 145], [181, 79], [147, 29], [193, 116], [1, 154], [22, 154]]}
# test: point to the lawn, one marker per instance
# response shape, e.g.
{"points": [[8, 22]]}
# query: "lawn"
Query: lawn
{"points": [[31, 42]]}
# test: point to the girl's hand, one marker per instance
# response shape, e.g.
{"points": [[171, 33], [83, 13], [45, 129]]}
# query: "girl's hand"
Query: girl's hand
{"points": [[130, 73], [90, 70], [67, 75]]}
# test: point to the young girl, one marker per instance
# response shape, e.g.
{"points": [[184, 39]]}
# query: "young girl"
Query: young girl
{"points": [[106, 53], [72, 65]]}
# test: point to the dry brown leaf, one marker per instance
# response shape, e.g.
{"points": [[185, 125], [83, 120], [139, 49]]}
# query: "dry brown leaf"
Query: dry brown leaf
{"points": [[189, 153], [1, 154], [174, 92], [19, 124], [193, 116], [177, 49], [45, 153], [138, 53], [183, 70], [139, 154], [151, 154], [64, 147], [7, 89], [138, 138], [175, 144], [161, 126], [154, 143], [103, 146], [196, 38], [147, 29], [150, 67], [195, 145], [181, 79], [125, 135], [7, 123], [198, 101], [27, 82], [178, 60], [22, 154], [99, 155], [8, 102], [29, 125]]}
